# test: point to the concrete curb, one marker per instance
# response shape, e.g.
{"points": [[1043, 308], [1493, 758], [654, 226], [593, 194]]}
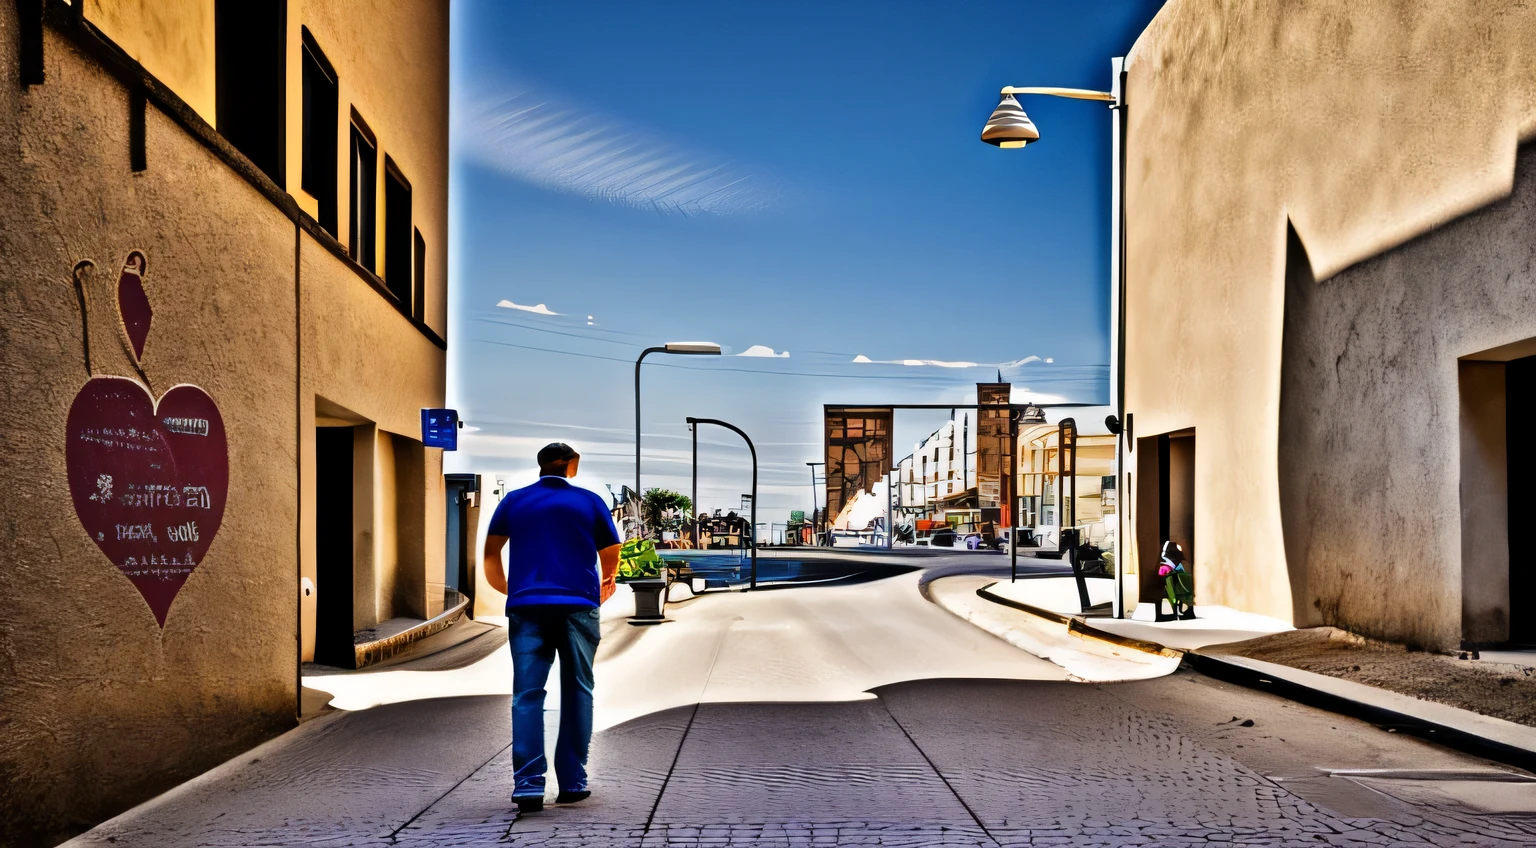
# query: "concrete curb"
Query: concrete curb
{"points": [[1483, 736], [1078, 627], [1084, 657]]}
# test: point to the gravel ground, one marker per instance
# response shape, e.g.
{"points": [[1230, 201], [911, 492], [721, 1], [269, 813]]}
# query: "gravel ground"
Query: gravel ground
{"points": [[1493, 689]]}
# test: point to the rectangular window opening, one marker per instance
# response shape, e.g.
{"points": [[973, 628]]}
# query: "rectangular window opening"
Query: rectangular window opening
{"points": [[321, 121], [250, 61], [363, 197], [398, 267], [419, 308]]}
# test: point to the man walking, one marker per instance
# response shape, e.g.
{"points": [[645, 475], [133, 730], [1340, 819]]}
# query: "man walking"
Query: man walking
{"points": [[557, 535]]}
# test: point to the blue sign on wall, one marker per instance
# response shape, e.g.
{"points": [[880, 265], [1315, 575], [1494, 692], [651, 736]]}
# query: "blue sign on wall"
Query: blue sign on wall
{"points": [[440, 428]]}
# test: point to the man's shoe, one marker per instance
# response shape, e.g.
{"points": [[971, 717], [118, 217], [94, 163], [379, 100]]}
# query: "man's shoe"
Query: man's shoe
{"points": [[528, 803], [572, 797]]}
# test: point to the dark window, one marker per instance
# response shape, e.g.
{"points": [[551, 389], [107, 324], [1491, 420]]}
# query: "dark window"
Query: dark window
{"points": [[249, 79], [419, 309], [320, 123], [364, 197], [398, 267]]}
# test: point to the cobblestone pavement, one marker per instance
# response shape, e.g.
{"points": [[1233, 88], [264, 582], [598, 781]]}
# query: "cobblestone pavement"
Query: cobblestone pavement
{"points": [[997, 763], [1177, 761]]}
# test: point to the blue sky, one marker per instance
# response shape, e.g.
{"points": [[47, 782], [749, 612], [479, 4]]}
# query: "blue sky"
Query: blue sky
{"points": [[801, 177]]}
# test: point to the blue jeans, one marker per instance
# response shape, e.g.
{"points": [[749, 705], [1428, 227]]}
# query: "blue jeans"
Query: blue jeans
{"points": [[537, 634]]}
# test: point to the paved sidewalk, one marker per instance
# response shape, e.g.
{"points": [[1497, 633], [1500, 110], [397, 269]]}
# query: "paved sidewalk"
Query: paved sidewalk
{"points": [[836, 716], [1034, 615]]}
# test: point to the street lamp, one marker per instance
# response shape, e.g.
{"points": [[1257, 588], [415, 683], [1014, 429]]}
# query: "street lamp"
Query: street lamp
{"points": [[1009, 127], [681, 348], [752, 521]]}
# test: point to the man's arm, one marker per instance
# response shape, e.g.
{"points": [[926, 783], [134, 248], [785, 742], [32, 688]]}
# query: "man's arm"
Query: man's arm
{"points": [[609, 559], [495, 573]]}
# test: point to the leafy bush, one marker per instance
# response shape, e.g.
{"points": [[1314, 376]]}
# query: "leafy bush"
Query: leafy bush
{"points": [[638, 560]]}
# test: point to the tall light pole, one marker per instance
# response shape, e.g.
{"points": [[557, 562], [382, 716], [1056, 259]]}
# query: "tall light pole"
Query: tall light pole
{"points": [[681, 348], [1009, 127], [815, 510], [752, 521]]}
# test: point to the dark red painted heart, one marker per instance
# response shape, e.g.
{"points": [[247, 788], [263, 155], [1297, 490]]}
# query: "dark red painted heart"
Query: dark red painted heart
{"points": [[133, 303], [149, 480]]}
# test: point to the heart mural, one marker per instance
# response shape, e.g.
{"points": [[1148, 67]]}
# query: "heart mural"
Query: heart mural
{"points": [[148, 479]]}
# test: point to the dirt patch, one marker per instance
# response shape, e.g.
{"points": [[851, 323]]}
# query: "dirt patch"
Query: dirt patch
{"points": [[1493, 689]]}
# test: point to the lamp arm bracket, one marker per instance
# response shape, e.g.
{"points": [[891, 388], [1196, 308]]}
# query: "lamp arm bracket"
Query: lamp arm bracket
{"points": [[1074, 93]]}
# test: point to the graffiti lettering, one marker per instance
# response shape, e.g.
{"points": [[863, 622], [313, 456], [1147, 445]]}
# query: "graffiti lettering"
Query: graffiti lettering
{"points": [[130, 438], [136, 532], [185, 533], [188, 426], [103, 491], [196, 497], [151, 495]]}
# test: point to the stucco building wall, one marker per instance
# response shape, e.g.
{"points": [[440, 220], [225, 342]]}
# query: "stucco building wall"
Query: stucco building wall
{"points": [[101, 708], [1375, 397], [1362, 125]]}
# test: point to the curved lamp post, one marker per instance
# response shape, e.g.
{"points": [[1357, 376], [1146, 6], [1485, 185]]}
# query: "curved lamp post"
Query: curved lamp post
{"points": [[681, 348], [1009, 127], [752, 526]]}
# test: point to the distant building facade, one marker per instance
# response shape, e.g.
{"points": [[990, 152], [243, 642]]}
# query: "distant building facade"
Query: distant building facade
{"points": [[1331, 311], [940, 467], [225, 303]]}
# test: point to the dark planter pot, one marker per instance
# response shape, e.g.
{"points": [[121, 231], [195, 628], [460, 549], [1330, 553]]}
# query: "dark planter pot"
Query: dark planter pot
{"points": [[648, 600]]}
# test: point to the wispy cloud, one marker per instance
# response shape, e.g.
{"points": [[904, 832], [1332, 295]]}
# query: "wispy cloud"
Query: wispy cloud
{"points": [[538, 309], [764, 351], [562, 145], [935, 363]]}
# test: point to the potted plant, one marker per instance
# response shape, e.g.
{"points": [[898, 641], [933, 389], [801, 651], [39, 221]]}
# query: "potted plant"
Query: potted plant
{"points": [[641, 567]]}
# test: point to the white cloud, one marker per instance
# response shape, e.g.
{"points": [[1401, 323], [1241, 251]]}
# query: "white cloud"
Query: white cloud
{"points": [[538, 309], [936, 363], [564, 145], [1025, 361], [765, 351]]}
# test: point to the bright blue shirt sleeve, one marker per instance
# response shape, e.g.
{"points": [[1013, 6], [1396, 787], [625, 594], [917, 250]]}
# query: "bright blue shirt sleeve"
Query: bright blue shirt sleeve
{"points": [[499, 525], [604, 533]]}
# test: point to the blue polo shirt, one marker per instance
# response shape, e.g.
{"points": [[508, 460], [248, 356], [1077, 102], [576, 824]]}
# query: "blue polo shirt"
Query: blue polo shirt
{"points": [[554, 531]]}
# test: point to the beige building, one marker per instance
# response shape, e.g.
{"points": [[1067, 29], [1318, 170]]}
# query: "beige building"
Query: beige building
{"points": [[1331, 278], [224, 230], [1043, 494]]}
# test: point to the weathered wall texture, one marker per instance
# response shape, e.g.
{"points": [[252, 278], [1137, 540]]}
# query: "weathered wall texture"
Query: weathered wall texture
{"points": [[1364, 124], [99, 707], [1374, 407], [172, 39]]}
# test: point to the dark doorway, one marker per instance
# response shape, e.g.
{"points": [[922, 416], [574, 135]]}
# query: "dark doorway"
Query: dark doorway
{"points": [[1165, 505], [250, 81], [463, 518], [333, 546], [1520, 407]]}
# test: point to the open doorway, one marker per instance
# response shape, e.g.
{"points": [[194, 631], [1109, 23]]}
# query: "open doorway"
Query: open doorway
{"points": [[1165, 500], [333, 546], [463, 520], [1520, 413]]}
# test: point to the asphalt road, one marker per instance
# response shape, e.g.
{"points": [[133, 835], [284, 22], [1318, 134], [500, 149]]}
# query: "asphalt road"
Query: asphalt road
{"points": [[845, 715]]}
